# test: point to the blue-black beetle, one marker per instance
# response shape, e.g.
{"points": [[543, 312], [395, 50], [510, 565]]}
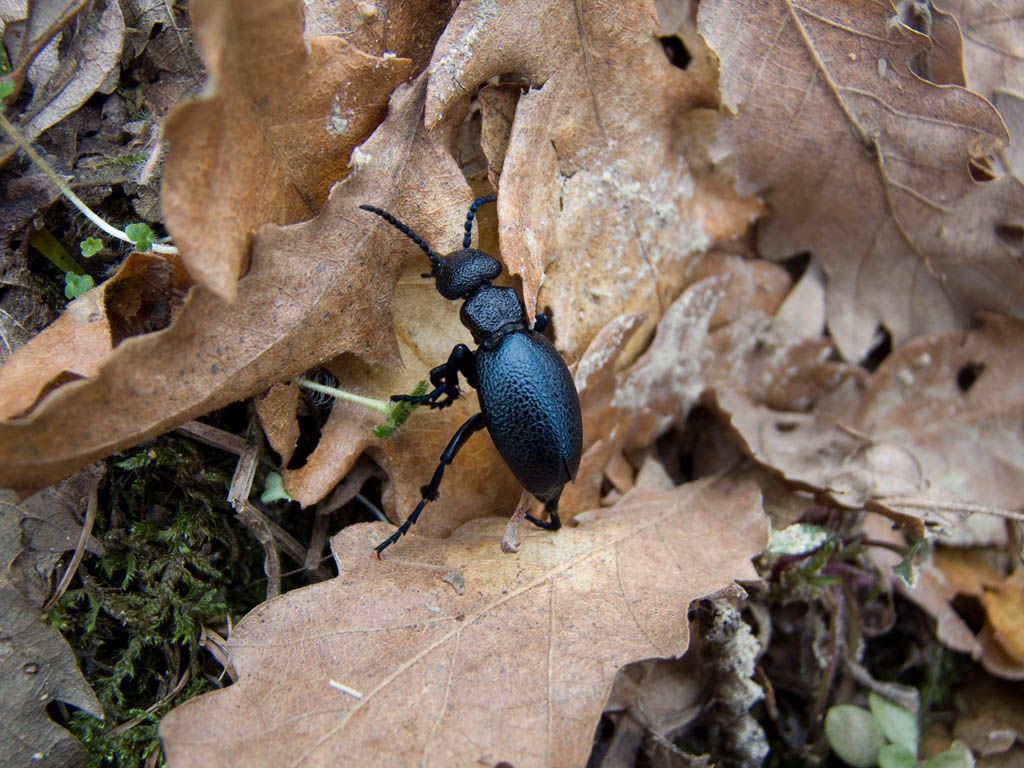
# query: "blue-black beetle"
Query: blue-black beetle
{"points": [[528, 401]]}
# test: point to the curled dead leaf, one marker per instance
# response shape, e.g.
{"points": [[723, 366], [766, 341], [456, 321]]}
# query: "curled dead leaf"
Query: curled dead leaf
{"points": [[271, 138]]}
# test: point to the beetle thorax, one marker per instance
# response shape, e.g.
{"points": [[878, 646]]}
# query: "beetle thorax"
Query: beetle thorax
{"points": [[492, 312]]}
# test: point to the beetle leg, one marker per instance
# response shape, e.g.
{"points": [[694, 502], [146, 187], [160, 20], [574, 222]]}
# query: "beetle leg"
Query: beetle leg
{"points": [[445, 379], [474, 424], [551, 507], [540, 322]]}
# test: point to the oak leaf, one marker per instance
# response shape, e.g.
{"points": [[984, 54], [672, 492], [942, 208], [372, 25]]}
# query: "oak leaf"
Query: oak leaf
{"points": [[313, 292], [142, 295], [991, 32], [920, 442], [593, 231], [38, 666], [526, 654], [271, 138], [826, 94]]}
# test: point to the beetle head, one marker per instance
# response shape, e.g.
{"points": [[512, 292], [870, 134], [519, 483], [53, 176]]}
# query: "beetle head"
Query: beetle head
{"points": [[461, 273]]}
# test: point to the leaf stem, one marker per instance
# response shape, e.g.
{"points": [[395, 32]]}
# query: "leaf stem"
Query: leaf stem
{"points": [[65, 190], [367, 402]]}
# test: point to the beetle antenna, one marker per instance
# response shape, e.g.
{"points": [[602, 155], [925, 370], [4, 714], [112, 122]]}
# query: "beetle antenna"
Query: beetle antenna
{"points": [[407, 231], [472, 212]]}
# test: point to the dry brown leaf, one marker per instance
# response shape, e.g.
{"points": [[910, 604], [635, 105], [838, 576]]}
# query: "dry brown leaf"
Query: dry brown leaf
{"points": [[824, 93], [606, 229], [267, 144], [992, 31], [65, 66], [718, 333], [991, 720], [1011, 107], [38, 666], [1004, 607], [952, 572], [146, 289], [497, 116], [527, 654], [276, 410], [313, 291], [408, 29], [935, 430], [976, 573], [957, 401], [943, 63], [290, 315]]}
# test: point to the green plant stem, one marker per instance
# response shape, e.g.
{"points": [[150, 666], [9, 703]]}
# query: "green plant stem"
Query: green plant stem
{"points": [[367, 402], [65, 190]]}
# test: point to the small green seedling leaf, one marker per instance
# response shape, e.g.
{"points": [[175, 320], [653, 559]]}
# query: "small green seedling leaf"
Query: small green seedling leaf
{"points": [[854, 735], [91, 246], [906, 571], [898, 725], [141, 235], [76, 285], [273, 489], [400, 413], [896, 756], [6, 89], [797, 539], [957, 756]]}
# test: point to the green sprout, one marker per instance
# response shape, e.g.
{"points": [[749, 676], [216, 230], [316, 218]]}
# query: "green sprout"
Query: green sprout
{"points": [[76, 285], [141, 235], [906, 571], [886, 736], [91, 246], [396, 413], [273, 489]]}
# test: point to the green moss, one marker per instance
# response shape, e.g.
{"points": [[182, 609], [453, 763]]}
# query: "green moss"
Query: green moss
{"points": [[128, 159], [174, 559]]}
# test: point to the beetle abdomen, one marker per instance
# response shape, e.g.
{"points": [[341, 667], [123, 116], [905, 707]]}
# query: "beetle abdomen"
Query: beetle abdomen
{"points": [[531, 410]]}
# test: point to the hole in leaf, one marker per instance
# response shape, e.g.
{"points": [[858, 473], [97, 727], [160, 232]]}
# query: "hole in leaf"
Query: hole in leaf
{"points": [[881, 350], [981, 170], [675, 51], [469, 153], [785, 426], [602, 740], [970, 610], [796, 265], [1011, 234], [968, 374]]}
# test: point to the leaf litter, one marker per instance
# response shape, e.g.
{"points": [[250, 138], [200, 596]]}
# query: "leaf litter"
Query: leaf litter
{"points": [[627, 182]]}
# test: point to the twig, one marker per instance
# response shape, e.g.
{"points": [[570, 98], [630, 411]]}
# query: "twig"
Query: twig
{"points": [[259, 524], [76, 559], [287, 542], [214, 437], [245, 472], [948, 506], [179, 686]]}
